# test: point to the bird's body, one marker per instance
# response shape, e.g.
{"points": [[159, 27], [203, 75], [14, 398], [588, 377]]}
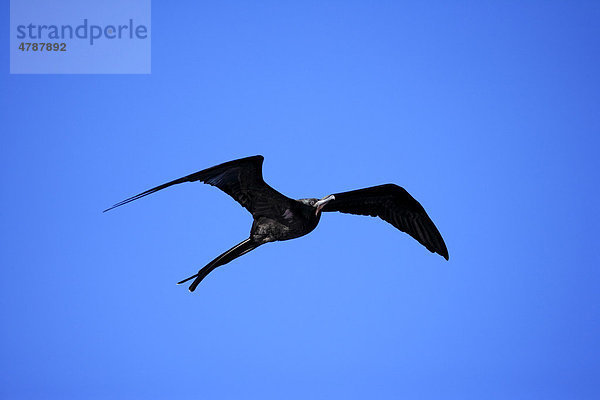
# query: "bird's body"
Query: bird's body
{"points": [[290, 221], [278, 217]]}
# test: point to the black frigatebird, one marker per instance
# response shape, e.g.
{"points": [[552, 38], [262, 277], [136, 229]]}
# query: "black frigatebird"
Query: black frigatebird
{"points": [[278, 217]]}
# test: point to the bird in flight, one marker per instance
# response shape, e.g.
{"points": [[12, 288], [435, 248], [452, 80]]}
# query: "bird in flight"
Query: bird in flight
{"points": [[278, 217]]}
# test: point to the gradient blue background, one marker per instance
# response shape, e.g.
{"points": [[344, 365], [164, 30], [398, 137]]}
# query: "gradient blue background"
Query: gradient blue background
{"points": [[487, 113]]}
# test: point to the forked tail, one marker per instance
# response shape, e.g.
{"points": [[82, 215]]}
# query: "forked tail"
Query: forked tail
{"points": [[231, 254]]}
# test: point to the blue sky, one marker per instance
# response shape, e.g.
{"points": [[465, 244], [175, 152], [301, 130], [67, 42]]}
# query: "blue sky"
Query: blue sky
{"points": [[486, 112]]}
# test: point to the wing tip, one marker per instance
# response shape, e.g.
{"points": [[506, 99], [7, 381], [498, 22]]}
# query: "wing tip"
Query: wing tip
{"points": [[117, 205], [443, 252]]}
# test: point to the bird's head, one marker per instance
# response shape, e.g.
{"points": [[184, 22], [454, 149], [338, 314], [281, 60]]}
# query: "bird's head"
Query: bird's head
{"points": [[321, 203]]}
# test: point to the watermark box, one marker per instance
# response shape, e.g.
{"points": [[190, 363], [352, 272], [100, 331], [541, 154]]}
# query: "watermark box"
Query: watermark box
{"points": [[80, 37]]}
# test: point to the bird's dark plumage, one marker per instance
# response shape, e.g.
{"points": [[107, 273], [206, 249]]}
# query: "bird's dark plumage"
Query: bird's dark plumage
{"points": [[277, 217], [241, 179], [392, 204]]}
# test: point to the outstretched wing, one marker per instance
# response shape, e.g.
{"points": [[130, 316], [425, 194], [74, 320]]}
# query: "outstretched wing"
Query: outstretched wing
{"points": [[393, 204], [241, 179]]}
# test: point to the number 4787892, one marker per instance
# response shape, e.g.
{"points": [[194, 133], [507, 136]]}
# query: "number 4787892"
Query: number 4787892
{"points": [[43, 46]]}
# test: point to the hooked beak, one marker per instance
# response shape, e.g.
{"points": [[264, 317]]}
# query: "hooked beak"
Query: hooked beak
{"points": [[321, 203]]}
